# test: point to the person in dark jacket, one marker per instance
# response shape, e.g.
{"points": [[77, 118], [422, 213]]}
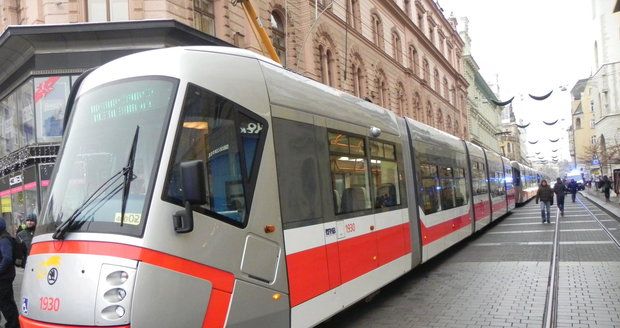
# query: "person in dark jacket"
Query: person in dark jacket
{"points": [[25, 236], [606, 186], [545, 195], [559, 189], [7, 275], [572, 187]]}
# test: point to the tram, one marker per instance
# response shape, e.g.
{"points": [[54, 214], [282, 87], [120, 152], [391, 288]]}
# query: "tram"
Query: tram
{"points": [[210, 187]]}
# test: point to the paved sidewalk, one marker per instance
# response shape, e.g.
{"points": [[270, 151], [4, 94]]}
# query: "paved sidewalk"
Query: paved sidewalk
{"points": [[613, 206]]}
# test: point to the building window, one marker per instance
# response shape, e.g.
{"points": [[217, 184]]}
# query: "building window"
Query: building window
{"points": [[327, 71], [429, 113], [204, 18], [592, 123], [436, 76], [449, 124], [509, 146], [400, 100], [413, 60], [457, 128], [354, 16], [377, 31], [383, 91], [107, 10], [594, 140], [431, 34], [420, 21], [398, 51], [50, 97], [577, 123], [446, 90], [358, 76], [426, 70], [278, 35], [439, 119], [417, 107], [408, 8]]}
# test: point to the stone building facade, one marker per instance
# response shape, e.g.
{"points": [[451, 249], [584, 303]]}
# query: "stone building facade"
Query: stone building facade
{"points": [[581, 132], [403, 55], [484, 115]]}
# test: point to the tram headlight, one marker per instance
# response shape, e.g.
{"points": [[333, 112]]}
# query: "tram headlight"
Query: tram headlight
{"points": [[115, 295], [113, 312], [117, 278]]}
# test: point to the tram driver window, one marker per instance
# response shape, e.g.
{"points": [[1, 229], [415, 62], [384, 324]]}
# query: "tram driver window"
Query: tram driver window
{"points": [[349, 171], [214, 130]]}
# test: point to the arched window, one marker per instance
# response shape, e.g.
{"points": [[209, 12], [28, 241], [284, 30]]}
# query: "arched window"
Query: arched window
{"points": [[509, 146], [278, 33], [449, 124], [577, 123], [327, 72], [436, 78], [354, 14], [457, 129], [426, 70], [439, 119], [446, 90], [397, 47], [358, 76], [417, 107], [429, 113], [382, 88], [413, 60], [400, 100], [377, 31]]}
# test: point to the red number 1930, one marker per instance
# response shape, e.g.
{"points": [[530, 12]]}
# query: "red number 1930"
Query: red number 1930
{"points": [[49, 304]]}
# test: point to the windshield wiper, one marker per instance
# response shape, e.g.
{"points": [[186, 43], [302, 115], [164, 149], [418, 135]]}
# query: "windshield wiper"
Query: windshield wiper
{"points": [[129, 173], [62, 228], [126, 171]]}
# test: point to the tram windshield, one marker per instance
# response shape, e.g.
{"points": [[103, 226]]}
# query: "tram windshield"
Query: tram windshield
{"points": [[91, 178]]}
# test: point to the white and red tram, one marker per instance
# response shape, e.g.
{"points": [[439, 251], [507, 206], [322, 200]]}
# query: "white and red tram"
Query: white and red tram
{"points": [[210, 187]]}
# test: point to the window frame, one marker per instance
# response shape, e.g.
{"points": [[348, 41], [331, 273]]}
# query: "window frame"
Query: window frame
{"points": [[249, 179]]}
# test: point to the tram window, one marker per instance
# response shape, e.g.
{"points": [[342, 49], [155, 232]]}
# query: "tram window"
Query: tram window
{"points": [[460, 190], [479, 179], [428, 178], [349, 171], [214, 130], [446, 182], [298, 173], [385, 175]]}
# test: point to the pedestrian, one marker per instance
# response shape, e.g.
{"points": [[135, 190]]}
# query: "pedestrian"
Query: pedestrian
{"points": [[572, 187], [25, 236], [545, 195], [606, 187], [560, 189], [7, 275]]}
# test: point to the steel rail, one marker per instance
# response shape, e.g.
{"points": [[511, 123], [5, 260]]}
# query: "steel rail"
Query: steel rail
{"points": [[605, 229], [551, 301]]}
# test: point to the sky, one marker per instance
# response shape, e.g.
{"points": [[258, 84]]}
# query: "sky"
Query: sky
{"points": [[531, 47]]}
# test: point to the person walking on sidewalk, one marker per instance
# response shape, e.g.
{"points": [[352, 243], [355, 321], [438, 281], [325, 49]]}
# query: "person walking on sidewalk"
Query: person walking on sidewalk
{"points": [[560, 191], [572, 186], [606, 186], [545, 195], [7, 275]]}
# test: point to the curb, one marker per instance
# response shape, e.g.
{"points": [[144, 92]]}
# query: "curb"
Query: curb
{"points": [[609, 210]]}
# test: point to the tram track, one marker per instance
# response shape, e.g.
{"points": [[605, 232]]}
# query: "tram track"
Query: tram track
{"points": [[550, 315]]}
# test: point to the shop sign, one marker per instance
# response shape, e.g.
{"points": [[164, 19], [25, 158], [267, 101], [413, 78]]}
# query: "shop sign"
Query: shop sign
{"points": [[6, 205], [15, 180]]}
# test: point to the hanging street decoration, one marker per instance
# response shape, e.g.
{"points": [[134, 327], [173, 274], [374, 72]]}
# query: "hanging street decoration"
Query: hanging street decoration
{"points": [[502, 103], [523, 126], [541, 97], [554, 140], [551, 123], [533, 142], [555, 150]]}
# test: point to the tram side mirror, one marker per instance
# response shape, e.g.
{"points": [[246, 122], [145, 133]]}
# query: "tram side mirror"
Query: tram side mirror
{"points": [[194, 193]]}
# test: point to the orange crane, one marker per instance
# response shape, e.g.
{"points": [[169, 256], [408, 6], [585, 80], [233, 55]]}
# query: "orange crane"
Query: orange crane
{"points": [[258, 28]]}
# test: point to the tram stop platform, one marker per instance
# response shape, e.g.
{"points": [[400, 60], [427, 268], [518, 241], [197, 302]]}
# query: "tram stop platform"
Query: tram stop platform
{"points": [[501, 277], [612, 206]]}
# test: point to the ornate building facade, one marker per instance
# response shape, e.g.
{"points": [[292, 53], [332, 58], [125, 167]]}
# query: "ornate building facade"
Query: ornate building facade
{"points": [[483, 114], [403, 55]]}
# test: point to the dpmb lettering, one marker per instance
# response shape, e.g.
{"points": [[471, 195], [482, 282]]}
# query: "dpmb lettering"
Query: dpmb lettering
{"points": [[50, 304]]}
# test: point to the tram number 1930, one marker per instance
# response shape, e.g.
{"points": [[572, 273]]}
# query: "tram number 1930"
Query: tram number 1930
{"points": [[49, 304]]}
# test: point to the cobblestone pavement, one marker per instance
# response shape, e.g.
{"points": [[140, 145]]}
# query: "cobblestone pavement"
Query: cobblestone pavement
{"points": [[499, 278]]}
